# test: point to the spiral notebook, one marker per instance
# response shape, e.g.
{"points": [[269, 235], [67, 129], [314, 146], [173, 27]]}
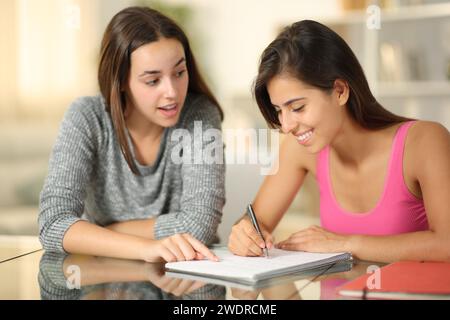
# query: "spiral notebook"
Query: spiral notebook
{"points": [[250, 270]]}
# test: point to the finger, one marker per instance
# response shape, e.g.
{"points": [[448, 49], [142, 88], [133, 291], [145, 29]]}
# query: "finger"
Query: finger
{"points": [[294, 240], [172, 285], [269, 239], [176, 251], [293, 247], [254, 235], [162, 282], [240, 248], [240, 244], [195, 286], [199, 256], [303, 238], [244, 294], [302, 232], [186, 248], [250, 247], [235, 247], [280, 243], [238, 293], [200, 247], [183, 286], [167, 254], [247, 228], [298, 243]]}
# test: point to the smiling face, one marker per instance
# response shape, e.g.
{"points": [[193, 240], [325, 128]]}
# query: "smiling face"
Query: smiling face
{"points": [[312, 115], [157, 83]]}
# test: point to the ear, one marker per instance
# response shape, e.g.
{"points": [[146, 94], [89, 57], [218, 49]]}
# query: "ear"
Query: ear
{"points": [[342, 91]]}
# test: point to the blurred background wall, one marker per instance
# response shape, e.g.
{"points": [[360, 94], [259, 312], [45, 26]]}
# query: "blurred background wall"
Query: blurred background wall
{"points": [[49, 54]]}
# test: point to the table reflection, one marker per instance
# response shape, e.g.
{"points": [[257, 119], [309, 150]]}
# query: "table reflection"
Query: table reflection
{"points": [[84, 277]]}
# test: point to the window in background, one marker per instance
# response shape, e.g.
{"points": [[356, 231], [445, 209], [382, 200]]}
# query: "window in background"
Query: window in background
{"points": [[48, 57]]}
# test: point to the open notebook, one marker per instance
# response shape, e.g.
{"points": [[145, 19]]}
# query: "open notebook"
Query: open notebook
{"points": [[251, 270]]}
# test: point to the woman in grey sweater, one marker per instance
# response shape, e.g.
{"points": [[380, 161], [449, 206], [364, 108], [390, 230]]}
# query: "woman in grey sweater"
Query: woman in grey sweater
{"points": [[129, 176]]}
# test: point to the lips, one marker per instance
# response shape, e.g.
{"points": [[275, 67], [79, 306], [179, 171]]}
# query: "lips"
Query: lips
{"points": [[169, 110]]}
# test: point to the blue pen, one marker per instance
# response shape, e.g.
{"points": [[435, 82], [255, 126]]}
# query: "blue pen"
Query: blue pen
{"points": [[252, 215]]}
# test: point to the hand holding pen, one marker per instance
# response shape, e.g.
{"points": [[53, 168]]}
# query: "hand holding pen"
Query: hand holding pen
{"points": [[255, 223], [245, 240]]}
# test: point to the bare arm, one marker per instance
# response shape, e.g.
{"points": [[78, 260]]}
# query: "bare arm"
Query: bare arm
{"points": [[415, 246], [278, 191], [86, 238], [141, 228], [273, 199]]}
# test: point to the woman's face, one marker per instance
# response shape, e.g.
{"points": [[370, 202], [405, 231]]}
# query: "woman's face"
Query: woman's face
{"points": [[312, 115], [158, 82]]}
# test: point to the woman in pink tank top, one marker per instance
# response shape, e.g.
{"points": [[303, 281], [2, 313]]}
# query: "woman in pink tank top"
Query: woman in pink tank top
{"points": [[384, 179]]}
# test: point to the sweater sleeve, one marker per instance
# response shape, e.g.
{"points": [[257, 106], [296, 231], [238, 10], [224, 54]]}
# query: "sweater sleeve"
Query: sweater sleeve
{"points": [[203, 177], [70, 166]]}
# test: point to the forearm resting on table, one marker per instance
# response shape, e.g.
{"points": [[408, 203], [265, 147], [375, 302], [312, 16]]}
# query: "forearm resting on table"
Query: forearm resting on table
{"points": [[415, 246], [142, 228], [86, 238]]}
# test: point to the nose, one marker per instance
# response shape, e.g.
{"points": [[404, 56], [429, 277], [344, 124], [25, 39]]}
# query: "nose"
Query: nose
{"points": [[170, 91], [287, 123]]}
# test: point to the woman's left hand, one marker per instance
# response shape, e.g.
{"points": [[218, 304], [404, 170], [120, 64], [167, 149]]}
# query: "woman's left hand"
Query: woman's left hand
{"points": [[315, 239]]}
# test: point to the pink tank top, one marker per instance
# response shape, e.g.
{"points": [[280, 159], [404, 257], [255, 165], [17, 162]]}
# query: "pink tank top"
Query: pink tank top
{"points": [[397, 210]]}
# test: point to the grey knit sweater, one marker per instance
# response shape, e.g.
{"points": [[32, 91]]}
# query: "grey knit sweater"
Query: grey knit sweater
{"points": [[89, 178]]}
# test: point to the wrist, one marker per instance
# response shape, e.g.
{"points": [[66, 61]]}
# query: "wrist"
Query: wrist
{"points": [[243, 217], [147, 250], [351, 244]]}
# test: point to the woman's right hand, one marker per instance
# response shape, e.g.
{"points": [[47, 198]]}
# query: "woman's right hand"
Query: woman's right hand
{"points": [[244, 240], [179, 247]]}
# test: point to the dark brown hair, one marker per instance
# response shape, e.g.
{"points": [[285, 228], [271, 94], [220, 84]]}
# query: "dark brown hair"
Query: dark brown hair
{"points": [[316, 55], [128, 30]]}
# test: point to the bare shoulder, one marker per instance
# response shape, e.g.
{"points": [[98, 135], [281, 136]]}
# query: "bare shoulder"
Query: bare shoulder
{"points": [[427, 146], [297, 155], [426, 136]]}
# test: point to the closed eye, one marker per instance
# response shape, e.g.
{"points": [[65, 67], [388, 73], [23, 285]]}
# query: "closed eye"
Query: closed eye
{"points": [[298, 109]]}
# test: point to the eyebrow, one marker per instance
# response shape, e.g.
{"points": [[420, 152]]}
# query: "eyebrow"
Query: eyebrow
{"points": [[291, 101], [158, 71]]}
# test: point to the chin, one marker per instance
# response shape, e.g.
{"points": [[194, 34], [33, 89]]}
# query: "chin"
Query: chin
{"points": [[167, 123], [315, 149]]}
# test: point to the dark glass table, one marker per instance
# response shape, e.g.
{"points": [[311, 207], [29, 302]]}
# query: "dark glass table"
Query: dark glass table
{"points": [[29, 274]]}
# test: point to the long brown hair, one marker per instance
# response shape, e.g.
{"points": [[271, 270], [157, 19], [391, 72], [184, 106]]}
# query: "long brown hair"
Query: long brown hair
{"points": [[316, 55], [128, 30]]}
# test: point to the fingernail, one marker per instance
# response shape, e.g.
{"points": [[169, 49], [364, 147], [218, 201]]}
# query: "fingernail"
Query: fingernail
{"points": [[262, 245]]}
